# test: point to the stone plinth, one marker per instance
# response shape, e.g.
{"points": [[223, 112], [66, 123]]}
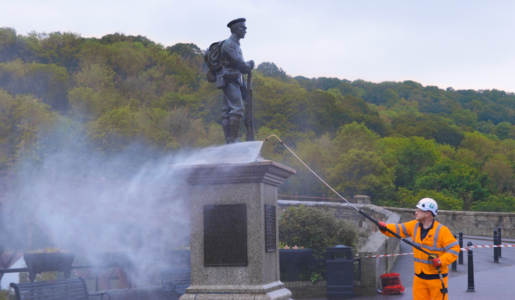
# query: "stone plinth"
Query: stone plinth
{"points": [[253, 185]]}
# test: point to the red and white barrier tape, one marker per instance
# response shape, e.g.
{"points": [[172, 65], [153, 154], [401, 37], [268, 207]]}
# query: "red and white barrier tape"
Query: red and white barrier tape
{"points": [[386, 255], [488, 246], [464, 249]]}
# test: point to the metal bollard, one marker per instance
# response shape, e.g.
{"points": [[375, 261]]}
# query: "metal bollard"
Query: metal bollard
{"points": [[460, 256], [499, 240], [470, 287], [496, 253], [455, 263]]}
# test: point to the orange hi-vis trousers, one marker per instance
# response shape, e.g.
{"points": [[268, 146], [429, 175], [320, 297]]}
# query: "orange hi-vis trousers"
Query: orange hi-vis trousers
{"points": [[428, 289]]}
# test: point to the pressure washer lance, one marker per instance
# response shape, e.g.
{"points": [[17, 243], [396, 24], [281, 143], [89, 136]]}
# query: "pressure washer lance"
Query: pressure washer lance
{"points": [[431, 255]]}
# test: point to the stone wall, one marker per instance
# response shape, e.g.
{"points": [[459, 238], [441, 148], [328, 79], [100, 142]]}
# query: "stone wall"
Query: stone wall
{"points": [[469, 222], [372, 242]]}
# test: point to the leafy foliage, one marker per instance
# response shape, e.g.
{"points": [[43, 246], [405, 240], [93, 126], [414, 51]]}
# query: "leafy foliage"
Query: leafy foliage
{"points": [[315, 229], [394, 141]]}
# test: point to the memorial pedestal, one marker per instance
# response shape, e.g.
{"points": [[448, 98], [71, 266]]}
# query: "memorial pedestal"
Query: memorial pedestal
{"points": [[234, 231]]}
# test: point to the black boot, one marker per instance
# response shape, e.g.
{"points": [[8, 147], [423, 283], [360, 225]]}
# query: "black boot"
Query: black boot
{"points": [[225, 125], [234, 124]]}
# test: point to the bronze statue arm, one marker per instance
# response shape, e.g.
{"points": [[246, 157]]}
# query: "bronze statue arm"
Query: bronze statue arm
{"points": [[236, 60]]}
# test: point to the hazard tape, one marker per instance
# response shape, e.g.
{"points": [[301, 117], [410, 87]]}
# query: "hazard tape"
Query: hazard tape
{"points": [[464, 249], [488, 246], [386, 255]]}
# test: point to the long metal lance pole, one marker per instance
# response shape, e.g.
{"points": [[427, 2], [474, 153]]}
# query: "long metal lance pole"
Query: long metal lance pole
{"points": [[273, 135], [430, 255], [359, 210]]}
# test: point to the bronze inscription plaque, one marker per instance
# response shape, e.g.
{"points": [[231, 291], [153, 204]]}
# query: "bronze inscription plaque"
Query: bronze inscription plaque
{"points": [[270, 228], [225, 235]]}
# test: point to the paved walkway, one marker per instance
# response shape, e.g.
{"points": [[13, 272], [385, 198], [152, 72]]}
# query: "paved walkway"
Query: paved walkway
{"points": [[492, 281]]}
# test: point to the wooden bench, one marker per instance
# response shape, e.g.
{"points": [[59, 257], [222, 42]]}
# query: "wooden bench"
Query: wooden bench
{"points": [[175, 281], [69, 289]]}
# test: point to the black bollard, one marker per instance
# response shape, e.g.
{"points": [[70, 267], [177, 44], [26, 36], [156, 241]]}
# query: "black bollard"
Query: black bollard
{"points": [[455, 263], [496, 253], [471, 269], [499, 240], [460, 256]]}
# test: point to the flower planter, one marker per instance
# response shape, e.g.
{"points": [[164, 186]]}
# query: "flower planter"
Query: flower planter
{"points": [[295, 264], [38, 263]]}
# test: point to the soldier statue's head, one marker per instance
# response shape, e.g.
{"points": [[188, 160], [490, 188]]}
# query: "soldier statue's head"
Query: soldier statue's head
{"points": [[238, 27]]}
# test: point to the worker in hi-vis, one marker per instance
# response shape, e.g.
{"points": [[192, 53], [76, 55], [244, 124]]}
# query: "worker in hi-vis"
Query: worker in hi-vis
{"points": [[433, 237]]}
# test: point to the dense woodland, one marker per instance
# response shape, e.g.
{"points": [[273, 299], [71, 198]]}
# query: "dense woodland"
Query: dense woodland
{"points": [[394, 141]]}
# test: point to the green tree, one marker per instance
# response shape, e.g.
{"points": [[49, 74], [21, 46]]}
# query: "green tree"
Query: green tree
{"points": [[466, 183], [482, 146], [45, 81], [496, 203], [499, 172], [445, 199], [408, 156], [464, 117], [355, 136], [186, 51], [57, 48], [23, 121], [95, 93], [271, 70], [503, 130], [113, 131], [317, 156], [389, 98], [362, 172]]}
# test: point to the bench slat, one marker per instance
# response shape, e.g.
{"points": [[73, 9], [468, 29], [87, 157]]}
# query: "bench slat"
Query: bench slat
{"points": [[51, 283], [53, 287], [176, 280], [70, 289], [68, 296]]}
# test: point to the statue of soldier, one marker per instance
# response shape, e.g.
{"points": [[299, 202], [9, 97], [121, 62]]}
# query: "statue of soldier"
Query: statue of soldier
{"points": [[235, 89]]}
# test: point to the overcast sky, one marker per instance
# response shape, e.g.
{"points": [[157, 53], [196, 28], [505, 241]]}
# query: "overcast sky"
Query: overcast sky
{"points": [[461, 44]]}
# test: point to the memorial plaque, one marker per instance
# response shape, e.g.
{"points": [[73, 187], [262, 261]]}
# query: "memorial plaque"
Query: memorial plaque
{"points": [[270, 228], [225, 235]]}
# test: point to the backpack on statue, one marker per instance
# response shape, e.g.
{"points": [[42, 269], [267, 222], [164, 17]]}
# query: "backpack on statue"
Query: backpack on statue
{"points": [[213, 60]]}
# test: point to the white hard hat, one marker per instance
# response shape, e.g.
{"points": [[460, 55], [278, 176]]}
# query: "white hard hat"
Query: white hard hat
{"points": [[428, 204]]}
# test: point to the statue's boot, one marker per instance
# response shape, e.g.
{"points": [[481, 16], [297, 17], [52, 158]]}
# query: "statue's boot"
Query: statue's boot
{"points": [[234, 124], [225, 126]]}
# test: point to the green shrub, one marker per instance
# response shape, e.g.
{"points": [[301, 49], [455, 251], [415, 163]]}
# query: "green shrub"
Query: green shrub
{"points": [[7, 295], [312, 228]]}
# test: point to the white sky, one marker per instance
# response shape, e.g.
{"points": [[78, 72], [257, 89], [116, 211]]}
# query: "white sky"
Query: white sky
{"points": [[464, 44]]}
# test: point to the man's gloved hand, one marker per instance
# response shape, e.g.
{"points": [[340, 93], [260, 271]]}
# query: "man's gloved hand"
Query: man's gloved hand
{"points": [[251, 63], [382, 225], [437, 262]]}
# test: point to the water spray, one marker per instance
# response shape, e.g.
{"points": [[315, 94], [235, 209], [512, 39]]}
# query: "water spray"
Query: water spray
{"points": [[361, 212]]}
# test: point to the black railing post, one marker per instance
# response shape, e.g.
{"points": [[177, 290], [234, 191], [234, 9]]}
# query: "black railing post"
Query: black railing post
{"points": [[496, 255], [460, 256], [455, 263], [499, 240], [470, 287]]}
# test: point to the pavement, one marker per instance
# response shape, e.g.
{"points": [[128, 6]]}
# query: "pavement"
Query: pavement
{"points": [[491, 280]]}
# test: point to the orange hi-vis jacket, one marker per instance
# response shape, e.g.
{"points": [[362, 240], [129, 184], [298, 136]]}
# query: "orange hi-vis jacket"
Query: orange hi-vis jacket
{"points": [[439, 241]]}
